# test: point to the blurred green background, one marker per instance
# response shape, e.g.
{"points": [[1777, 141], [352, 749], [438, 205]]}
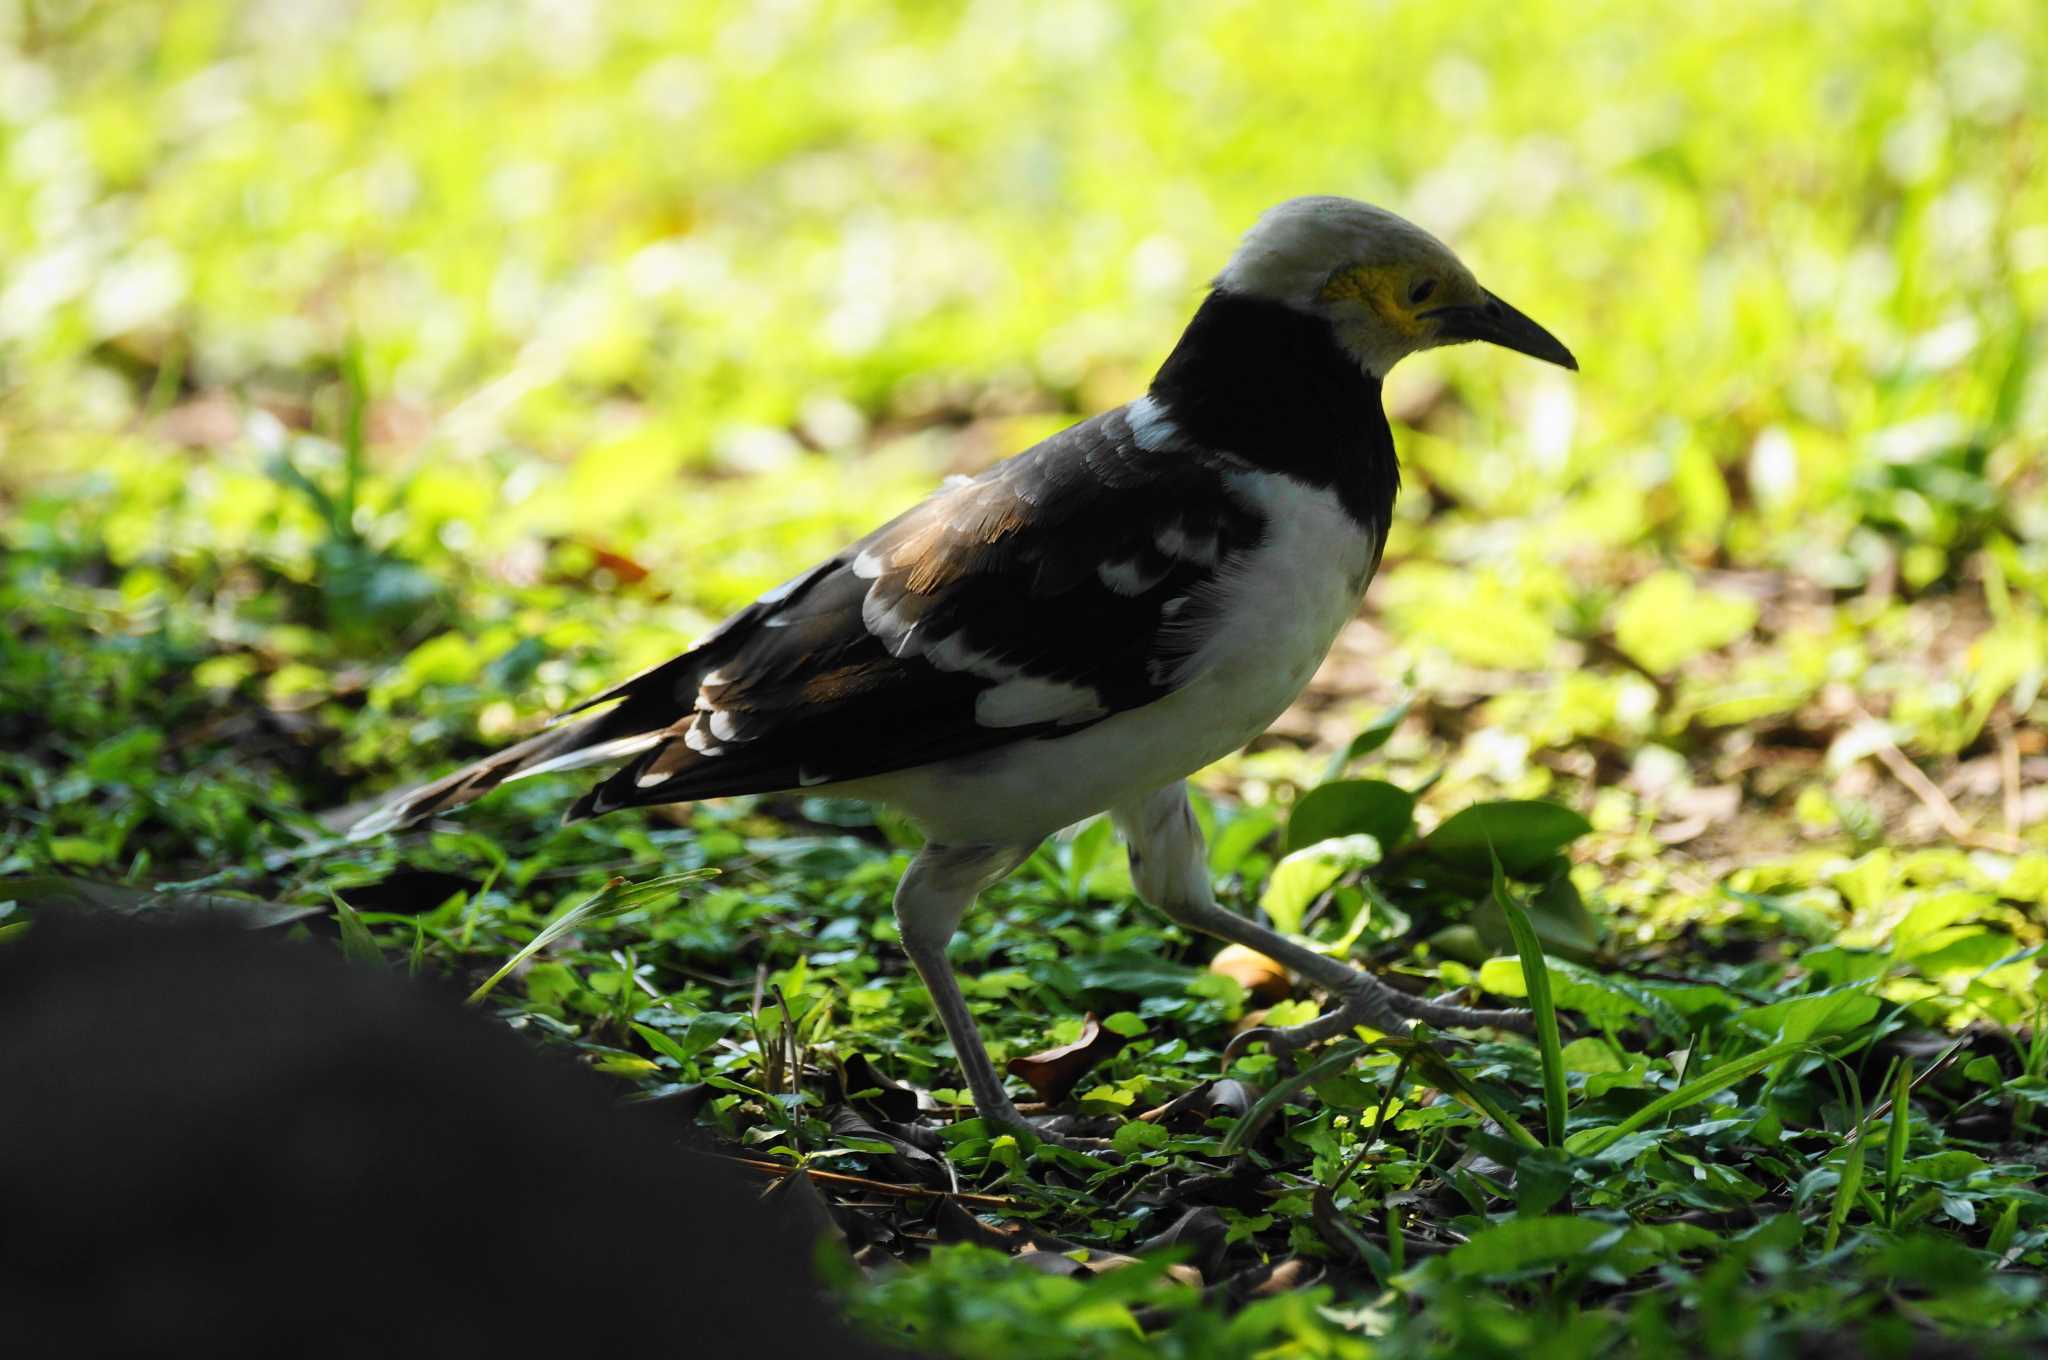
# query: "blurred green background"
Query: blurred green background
{"points": [[701, 290], [377, 376]]}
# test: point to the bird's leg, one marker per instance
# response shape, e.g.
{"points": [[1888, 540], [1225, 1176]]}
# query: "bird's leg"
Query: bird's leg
{"points": [[1170, 869], [933, 895]]}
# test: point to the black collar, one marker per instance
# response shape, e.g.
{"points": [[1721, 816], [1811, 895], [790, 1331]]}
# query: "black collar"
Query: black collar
{"points": [[1271, 385]]}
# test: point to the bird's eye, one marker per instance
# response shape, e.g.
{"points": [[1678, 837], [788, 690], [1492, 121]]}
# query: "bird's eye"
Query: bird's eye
{"points": [[1419, 294]]}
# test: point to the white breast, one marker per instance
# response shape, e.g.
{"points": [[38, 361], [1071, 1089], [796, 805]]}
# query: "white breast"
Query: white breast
{"points": [[1279, 611]]}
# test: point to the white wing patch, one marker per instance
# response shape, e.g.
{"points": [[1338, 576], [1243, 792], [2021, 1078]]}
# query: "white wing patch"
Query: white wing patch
{"points": [[1129, 578], [1203, 549], [1152, 429], [1028, 699], [949, 653], [888, 626]]}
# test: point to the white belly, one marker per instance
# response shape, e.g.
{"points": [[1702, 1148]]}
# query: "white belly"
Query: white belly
{"points": [[1281, 611]]}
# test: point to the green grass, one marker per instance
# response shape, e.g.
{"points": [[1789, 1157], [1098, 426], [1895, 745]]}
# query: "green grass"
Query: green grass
{"points": [[377, 379]]}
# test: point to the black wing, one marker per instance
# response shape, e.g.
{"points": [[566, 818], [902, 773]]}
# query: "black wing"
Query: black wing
{"points": [[1059, 587], [1068, 583]]}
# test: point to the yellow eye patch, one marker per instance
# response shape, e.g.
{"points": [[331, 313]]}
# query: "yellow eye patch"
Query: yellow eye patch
{"points": [[1380, 287]]}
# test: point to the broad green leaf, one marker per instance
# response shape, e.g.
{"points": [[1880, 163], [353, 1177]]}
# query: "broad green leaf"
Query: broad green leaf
{"points": [[697, 1034], [1238, 837], [1523, 833], [1605, 1000], [1429, 1062], [1818, 1015], [1590, 1056], [1307, 874], [1520, 1243], [1348, 807]]}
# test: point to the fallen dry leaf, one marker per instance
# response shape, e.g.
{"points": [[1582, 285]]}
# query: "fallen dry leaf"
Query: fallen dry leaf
{"points": [[1259, 975], [1053, 1073]]}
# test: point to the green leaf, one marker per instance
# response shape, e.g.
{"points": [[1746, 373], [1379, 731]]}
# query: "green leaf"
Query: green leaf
{"points": [[1590, 1056], [1307, 874], [1429, 1062], [1349, 807], [1520, 1243], [615, 896], [1999, 1241], [357, 944], [1589, 1142], [1251, 1121], [1370, 739], [1561, 920], [1537, 977], [1605, 1000], [1896, 1139], [1522, 833], [1238, 837], [1134, 1137], [701, 1031], [1847, 1187], [1817, 1015]]}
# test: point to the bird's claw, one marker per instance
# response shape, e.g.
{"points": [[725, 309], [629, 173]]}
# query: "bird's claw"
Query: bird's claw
{"points": [[1058, 1129], [1371, 1002]]}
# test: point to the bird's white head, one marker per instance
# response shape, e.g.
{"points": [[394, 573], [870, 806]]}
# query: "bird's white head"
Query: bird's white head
{"points": [[1387, 287]]}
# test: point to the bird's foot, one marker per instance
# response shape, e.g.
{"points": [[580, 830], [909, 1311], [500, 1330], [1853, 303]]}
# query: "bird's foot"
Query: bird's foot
{"points": [[1061, 1130], [1369, 1001]]}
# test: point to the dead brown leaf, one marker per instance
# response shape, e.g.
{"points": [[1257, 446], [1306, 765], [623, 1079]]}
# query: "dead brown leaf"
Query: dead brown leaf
{"points": [[1054, 1073], [1265, 979]]}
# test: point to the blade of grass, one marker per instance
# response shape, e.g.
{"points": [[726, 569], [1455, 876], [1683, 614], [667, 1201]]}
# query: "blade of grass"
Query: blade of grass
{"points": [[1896, 1138], [1251, 1121], [1536, 978], [1431, 1063], [357, 944], [1850, 1182], [1693, 1092], [615, 896], [2002, 1232]]}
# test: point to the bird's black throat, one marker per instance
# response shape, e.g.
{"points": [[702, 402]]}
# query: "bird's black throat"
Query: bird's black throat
{"points": [[1270, 384]]}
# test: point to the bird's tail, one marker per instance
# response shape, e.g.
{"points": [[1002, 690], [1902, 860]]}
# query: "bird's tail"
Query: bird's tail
{"points": [[596, 740]]}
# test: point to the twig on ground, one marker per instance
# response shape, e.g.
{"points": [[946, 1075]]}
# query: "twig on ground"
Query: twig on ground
{"points": [[2009, 771], [1933, 799]]}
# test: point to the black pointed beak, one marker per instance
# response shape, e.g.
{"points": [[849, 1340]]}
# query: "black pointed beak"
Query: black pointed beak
{"points": [[1497, 323]]}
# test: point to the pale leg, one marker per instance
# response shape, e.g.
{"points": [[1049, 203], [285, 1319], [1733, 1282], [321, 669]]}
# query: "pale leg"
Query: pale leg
{"points": [[934, 894], [1170, 870]]}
